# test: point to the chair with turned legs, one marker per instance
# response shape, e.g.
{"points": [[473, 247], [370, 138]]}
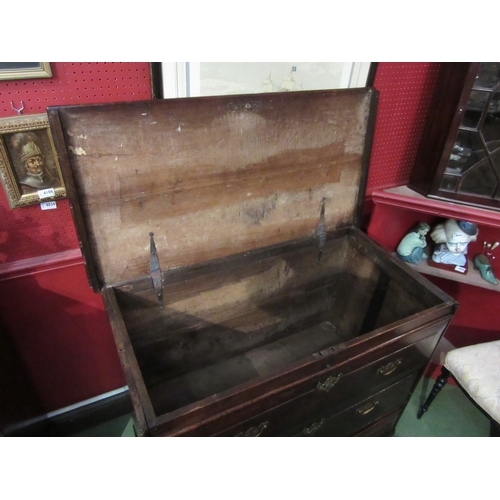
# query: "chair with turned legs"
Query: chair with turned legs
{"points": [[476, 370]]}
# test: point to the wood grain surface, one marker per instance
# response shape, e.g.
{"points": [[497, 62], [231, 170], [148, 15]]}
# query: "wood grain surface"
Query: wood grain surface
{"points": [[211, 176]]}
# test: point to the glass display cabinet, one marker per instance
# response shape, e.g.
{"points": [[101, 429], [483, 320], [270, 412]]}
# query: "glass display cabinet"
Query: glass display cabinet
{"points": [[459, 156]]}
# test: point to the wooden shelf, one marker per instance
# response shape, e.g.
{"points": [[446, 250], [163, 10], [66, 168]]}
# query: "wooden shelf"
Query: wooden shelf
{"points": [[471, 278], [404, 197]]}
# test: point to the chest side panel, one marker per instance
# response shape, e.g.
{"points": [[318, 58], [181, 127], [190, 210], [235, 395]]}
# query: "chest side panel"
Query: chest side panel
{"points": [[211, 176]]}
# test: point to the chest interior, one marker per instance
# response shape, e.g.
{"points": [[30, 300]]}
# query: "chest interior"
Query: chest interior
{"points": [[234, 321]]}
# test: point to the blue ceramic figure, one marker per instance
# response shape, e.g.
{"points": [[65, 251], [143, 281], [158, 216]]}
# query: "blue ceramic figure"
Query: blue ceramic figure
{"points": [[411, 247]]}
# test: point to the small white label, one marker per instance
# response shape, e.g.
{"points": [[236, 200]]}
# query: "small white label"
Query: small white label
{"points": [[460, 269], [48, 205], [46, 193]]}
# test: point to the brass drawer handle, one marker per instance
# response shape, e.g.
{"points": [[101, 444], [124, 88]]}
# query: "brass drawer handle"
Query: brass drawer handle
{"points": [[313, 428], [390, 367], [367, 408], [254, 431], [328, 383]]}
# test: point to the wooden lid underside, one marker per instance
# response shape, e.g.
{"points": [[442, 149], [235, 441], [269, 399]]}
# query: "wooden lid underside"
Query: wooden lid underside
{"points": [[211, 176]]}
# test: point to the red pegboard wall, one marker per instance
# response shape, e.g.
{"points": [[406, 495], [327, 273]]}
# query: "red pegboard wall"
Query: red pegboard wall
{"points": [[77, 83], [30, 232], [406, 91]]}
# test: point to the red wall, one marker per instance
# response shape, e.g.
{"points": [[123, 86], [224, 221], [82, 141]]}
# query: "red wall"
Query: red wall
{"points": [[29, 232], [406, 90], [57, 323], [61, 331]]}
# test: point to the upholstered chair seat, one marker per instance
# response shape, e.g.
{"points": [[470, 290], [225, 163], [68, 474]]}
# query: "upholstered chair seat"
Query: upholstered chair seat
{"points": [[477, 369]]}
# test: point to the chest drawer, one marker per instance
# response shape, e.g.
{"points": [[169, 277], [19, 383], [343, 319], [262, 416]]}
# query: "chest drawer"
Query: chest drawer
{"points": [[332, 392], [384, 426], [294, 419], [359, 416]]}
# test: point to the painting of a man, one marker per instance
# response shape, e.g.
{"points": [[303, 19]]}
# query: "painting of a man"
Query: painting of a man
{"points": [[36, 175], [29, 166]]}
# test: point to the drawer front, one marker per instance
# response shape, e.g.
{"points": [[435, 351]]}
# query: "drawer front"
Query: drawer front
{"points": [[331, 392], [339, 390], [384, 426], [295, 418], [335, 393], [361, 415]]}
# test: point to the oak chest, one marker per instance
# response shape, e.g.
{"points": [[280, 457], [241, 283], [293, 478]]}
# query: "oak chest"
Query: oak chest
{"points": [[223, 235]]}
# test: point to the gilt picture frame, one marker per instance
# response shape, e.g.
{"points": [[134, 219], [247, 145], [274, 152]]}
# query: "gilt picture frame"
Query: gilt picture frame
{"points": [[24, 70], [29, 168]]}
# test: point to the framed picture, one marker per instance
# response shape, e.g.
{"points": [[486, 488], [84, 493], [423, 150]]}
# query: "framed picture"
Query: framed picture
{"points": [[20, 70], [29, 168], [192, 79]]}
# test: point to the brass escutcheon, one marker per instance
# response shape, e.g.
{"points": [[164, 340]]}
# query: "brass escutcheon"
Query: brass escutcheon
{"points": [[313, 428], [367, 408], [254, 431], [390, 367], [328, 383]]}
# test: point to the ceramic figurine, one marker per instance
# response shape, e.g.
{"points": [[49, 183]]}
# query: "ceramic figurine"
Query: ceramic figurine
{"points": [[452, 238], [482, 264], [411, 247]]}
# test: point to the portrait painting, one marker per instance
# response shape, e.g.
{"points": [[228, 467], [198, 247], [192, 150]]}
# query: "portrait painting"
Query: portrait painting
{"points": [[28, 161]]}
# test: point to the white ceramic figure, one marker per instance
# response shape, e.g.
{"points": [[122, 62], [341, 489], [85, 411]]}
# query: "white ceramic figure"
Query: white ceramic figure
{"points": [[452, 239]]}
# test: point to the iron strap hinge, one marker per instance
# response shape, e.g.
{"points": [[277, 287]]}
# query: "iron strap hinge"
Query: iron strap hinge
{"points": [[155, 270], [320, 231]]}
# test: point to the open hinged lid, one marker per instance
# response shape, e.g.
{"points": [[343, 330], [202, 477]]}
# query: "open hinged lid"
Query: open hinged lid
{"points": [[210, 176]]}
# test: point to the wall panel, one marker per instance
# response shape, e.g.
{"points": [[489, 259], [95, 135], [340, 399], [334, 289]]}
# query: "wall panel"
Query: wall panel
{"points": [[406, 91], [57, 324]]}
